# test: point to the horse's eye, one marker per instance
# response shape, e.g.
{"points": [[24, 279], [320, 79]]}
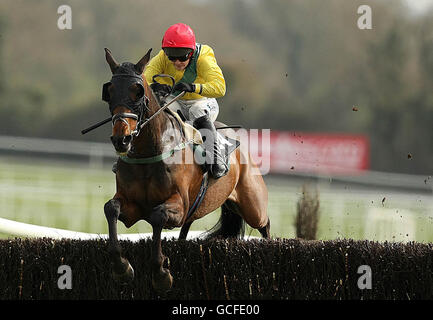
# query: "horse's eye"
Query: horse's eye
{"points": [[140, 92], [137, 91]]}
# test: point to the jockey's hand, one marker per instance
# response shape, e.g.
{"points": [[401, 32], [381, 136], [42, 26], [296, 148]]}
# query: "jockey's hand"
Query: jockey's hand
{"points": [[182, 86], [160, 88]]}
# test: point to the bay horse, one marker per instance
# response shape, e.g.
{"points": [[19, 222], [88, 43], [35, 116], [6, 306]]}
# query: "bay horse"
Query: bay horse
{"points": [[161, 193]]}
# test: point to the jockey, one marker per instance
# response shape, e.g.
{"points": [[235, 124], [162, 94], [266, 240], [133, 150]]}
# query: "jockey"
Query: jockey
{"points": [[195, 70]]}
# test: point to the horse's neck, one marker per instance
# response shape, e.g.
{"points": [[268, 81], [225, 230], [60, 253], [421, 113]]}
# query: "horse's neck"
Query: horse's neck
{"points": [[151, 140], [148, 143]]}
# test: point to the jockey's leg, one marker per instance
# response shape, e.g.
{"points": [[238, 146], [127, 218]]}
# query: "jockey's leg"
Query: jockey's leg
{"points": [[203, 113], [214, 157], [202, 107]]}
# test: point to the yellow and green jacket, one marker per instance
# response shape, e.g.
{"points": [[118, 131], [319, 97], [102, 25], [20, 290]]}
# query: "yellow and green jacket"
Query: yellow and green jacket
{"points": [[203, 71]]}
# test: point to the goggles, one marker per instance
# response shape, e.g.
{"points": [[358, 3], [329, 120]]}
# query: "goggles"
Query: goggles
{"points": [[181, 54]]}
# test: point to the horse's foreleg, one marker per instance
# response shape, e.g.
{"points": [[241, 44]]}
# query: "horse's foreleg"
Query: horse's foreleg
{"points": [[169, 212], [161, 277], [122, 270]]}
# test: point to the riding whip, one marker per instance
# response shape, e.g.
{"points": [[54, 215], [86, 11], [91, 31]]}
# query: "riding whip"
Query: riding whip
{"points": [[96, 125]]}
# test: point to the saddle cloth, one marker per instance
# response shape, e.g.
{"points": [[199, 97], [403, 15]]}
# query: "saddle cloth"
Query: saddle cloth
{"points": [[191, 133]]}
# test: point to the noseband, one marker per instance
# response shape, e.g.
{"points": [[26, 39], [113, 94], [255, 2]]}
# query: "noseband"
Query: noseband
{"points": [[122, 117]]}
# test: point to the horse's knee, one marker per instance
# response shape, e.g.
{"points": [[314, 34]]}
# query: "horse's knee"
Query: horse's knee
{"points": [[159, 216], [112, 209]]}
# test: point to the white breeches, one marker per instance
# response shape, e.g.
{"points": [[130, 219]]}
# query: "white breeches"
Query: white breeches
{"points": [[193, 109]]}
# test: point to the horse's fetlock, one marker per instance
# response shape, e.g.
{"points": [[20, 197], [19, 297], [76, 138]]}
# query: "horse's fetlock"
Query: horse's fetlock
{"points": [[158, 264]]}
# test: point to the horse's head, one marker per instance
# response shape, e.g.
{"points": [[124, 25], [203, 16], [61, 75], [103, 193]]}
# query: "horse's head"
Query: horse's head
{"points": [[125, 94]]}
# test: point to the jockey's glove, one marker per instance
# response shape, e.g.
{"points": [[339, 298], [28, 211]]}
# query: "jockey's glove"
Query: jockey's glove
{"points": [[160, 88], [182, 86]]}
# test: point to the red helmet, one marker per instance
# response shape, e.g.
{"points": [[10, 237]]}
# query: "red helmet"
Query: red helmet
{"points": [[179, 35]]}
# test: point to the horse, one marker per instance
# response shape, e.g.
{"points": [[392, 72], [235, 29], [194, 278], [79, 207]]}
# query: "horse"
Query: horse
{"points": [[162, 193]]}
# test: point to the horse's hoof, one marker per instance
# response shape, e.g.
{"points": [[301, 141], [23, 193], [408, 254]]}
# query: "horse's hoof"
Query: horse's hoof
{"points": [[126, 276], [162, 282]]}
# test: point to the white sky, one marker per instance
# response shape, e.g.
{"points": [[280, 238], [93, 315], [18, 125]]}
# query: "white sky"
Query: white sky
{"points": [[418, 5]]}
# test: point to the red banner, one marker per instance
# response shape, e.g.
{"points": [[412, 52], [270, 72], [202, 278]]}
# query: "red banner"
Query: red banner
{"points": [[320, 153]]}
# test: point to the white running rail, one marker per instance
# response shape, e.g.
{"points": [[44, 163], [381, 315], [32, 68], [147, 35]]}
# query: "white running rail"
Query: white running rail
{"points": [[20, 229]]}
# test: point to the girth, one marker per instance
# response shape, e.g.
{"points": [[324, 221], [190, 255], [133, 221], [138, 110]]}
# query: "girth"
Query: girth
{"points": [[200, 196]]}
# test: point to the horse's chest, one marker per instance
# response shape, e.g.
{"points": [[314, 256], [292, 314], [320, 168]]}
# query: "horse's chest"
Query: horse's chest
{"points": [[145, 186]]}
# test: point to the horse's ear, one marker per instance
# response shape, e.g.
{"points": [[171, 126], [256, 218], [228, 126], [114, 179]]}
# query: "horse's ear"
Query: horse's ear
{"points": [[139, 67], [110, 60]]}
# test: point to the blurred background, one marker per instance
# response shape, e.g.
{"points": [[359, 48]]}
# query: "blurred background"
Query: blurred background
{"points": [[298, 66]]}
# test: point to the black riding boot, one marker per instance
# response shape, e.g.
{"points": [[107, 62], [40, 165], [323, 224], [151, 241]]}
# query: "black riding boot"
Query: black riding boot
{"points": [[214, 158]]}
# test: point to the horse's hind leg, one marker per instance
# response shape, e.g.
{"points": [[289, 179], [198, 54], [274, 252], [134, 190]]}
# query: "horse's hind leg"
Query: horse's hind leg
{"points": [[252, 200], [266, 230], [184, 231], [230, 224], [121, 267]]}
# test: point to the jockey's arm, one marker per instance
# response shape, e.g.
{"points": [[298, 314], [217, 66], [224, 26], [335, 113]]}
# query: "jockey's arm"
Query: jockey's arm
{"points": [[214, 85], [157, 65]]}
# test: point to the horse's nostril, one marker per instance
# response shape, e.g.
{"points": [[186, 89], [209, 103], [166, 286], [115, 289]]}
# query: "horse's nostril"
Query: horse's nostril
{"points": [[120, 142], [127, 139]]}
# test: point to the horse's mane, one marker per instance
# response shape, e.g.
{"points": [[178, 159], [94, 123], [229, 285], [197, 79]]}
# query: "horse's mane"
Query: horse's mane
{"points": [[154, 106]]}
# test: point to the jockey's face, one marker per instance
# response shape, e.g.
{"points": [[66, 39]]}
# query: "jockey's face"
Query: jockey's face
{"points": [[180, 65]]}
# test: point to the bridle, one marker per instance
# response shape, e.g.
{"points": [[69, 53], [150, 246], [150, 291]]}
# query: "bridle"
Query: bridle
{"points": [[123, 81], [122, 117], [139, 107]]}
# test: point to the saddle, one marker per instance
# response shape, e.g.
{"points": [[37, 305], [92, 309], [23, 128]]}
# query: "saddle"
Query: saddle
{"points": [[191, 133], [226, 144]]}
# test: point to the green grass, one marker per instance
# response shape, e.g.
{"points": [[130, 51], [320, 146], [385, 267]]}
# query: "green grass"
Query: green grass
{"points": [[69, 196]]}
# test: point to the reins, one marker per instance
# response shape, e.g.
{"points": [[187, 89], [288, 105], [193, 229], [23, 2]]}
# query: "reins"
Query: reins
{"points": [[131, 115], [180, 95]]}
